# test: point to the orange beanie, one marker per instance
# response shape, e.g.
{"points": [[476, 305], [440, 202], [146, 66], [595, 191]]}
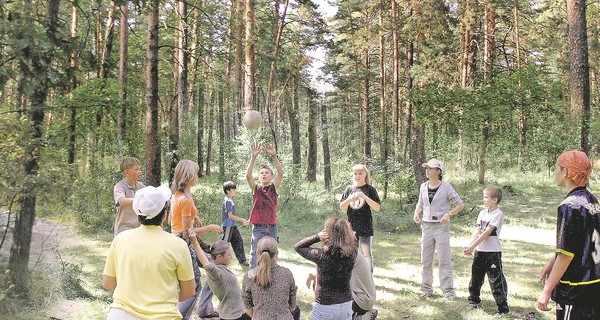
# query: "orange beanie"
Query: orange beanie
{"points": [[578, 166]]}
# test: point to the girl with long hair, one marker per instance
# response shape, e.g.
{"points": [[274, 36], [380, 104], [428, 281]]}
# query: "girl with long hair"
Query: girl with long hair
{"points": [[358, 200], [334, 260], [269, 291]]}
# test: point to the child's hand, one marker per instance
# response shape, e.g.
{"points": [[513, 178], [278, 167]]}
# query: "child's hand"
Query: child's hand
{"points": [[270, 149], [323, 236], [255, 149], [216, 228], [191, 233], [246, 222], [416, 218], [311, 280], [468, 251]]}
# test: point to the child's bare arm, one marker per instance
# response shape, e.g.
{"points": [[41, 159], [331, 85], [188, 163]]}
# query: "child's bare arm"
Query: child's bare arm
{"points": [[236, 218], [478, 239], [254, 150]]}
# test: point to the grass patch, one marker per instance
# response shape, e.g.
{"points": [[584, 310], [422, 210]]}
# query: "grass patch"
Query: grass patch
{"points": [[528, 236]]}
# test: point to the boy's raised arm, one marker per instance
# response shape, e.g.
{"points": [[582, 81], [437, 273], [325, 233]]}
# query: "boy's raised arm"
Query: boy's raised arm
{"points": [[254, 150]]}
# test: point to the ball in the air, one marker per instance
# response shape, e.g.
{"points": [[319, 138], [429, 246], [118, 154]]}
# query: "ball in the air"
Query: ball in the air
{"points": [[252, 119]]}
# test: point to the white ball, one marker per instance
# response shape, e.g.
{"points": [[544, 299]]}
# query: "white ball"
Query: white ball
{"points": [[252, 119]]}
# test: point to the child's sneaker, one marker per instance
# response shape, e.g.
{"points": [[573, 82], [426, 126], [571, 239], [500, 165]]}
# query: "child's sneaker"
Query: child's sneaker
{"points": [[472, 306], [374, 313], [500, 314], [244, 264]]}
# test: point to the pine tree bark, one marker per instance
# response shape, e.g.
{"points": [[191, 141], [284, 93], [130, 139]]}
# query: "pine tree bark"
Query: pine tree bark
{"points": [[239, 58], [123, 67], [313, 112], [325, 141], [488, 63], [34, 64], [292, 110], [579, 67], [153, 172], [249, 98], [200, 126], [366, 129], [396, 112], [382, 103], [72, 82]]}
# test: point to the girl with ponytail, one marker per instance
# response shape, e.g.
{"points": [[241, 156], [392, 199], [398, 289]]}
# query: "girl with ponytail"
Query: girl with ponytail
{"points": [[269, 291]]}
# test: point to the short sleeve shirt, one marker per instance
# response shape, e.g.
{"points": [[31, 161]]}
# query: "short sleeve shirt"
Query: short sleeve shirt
{"points": [[183, 206], [359, 211], [490, 219], [228, 206], [578, 236], [125, 218]]}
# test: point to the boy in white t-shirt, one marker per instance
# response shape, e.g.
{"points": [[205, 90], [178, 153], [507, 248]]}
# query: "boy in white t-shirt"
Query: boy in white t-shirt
{"points": [[488, 253]]}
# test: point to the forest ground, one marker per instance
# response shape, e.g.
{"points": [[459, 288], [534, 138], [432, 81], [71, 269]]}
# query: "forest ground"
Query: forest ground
{"points": [[67, 265]]}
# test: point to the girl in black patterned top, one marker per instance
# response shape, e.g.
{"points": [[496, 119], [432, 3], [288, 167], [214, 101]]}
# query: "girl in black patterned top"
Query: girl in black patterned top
{"points": [[335, 260]]}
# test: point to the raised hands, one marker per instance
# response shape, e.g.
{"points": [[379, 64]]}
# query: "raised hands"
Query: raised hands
{"points": [[256, 147]]}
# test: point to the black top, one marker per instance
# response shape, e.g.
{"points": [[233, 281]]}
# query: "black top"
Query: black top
{"points": [[359, 211], [333, 271]]}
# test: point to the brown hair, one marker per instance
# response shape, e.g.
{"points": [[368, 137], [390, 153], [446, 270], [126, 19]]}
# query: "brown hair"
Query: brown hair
{"points": [[219, 248], [494, 193], [228, 186], [340, 236], [362, 167], [185, 171], [129, 162], [267, 255]]}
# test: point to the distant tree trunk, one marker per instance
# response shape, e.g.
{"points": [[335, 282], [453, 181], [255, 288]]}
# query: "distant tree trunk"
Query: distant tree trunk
{"points": [[34, 64], [325, 137], [72, 79], [123, 67], [200, 133], [523, 109], [221, 127], [209, 129], [106, 51], [271, 110], [488, 63], [239, 66], [313, 112], [580, 67], [231, 127], [382, 103], [249, 92], [365, 108], [153, 171], [396, 112], [409, 85], [292, 110]]}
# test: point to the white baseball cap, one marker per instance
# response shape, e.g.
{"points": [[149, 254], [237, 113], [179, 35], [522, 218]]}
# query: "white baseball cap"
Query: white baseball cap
{"points": [[150, 201], [433, 163]]}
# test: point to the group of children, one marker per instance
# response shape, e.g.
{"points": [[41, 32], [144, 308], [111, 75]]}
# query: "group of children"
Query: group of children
{"points": [[572, 258]]}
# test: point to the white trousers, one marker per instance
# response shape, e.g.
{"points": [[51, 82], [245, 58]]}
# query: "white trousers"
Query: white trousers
{"points": [[436, 235]]}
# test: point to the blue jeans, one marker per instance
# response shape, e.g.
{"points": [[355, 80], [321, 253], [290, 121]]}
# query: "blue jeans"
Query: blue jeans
{"points": [[258, 232], [341, 311]]}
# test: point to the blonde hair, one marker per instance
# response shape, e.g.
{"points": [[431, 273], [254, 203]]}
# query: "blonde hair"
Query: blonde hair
{"points": [[219, 248], [363, 168], [340, 236], [129, 162], [267, 250], [185, 171]]}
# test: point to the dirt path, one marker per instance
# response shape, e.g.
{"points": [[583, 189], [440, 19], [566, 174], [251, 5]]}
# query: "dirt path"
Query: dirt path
{"points": [[48, 241]]}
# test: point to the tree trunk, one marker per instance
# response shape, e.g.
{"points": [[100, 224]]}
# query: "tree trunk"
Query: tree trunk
{"points": [[271, 110], [409, 85], [200, 132], [523, 110], [579, 67], [123, 67], [249, 92], [34, 64], [209, 129], [72, 79], [382, 104], [221, 127], [396, 112], [488, 63], [311, 166], [295, 125], [325, 137], [153, 171], [365, 108], [239, 67]]}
